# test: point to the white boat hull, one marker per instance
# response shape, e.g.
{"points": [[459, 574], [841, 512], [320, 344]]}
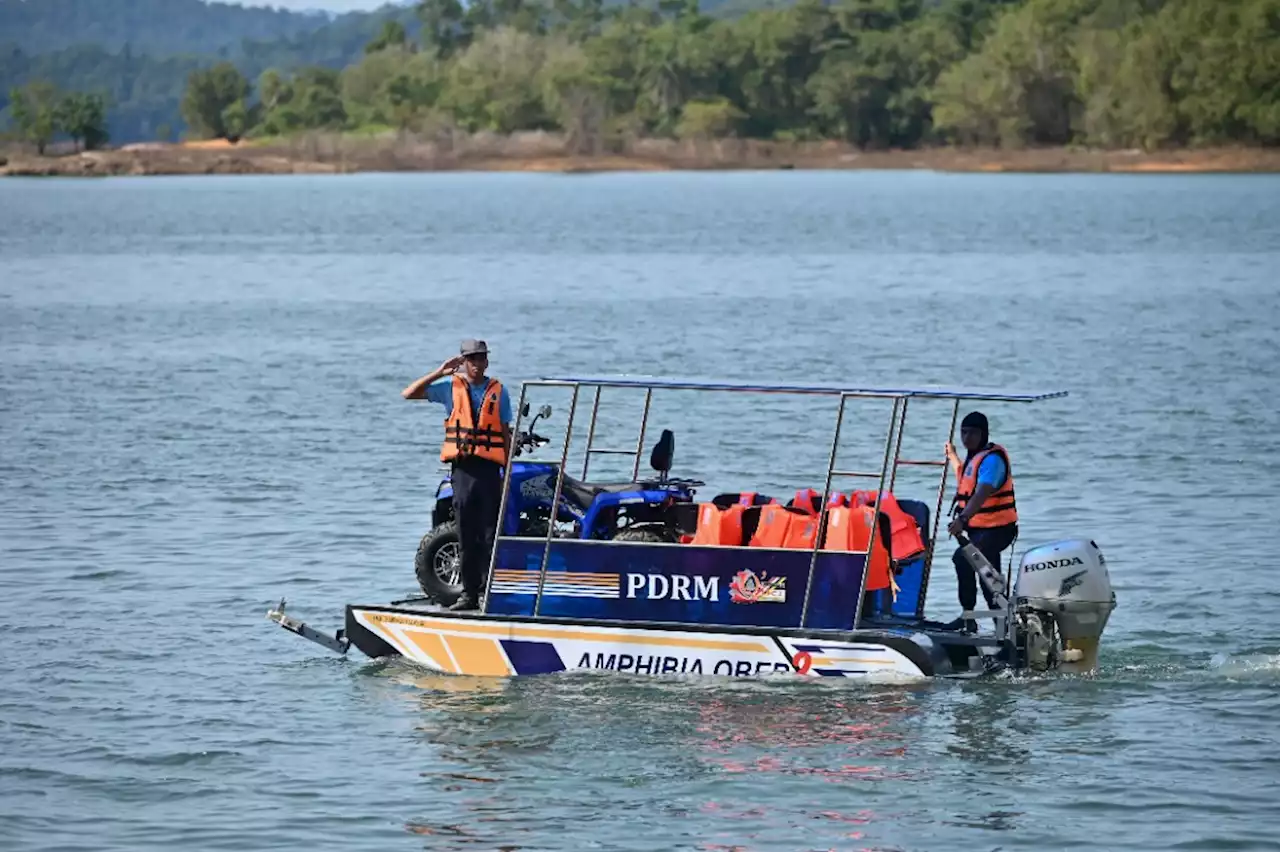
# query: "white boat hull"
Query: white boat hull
{"points": [[486, 646]]}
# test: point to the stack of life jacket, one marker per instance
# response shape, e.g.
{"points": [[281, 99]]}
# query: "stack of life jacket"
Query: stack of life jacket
{"points": [[907, 542], [777, 525], [789, 526], [850, 522], [852, 527], [724, 525]]}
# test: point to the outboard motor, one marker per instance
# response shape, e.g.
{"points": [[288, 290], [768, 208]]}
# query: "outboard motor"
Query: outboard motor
{"points": [[1062, 599]]}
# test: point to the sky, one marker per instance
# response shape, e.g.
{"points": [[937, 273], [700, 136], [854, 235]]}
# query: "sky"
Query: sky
{"points": [[304, 5]]}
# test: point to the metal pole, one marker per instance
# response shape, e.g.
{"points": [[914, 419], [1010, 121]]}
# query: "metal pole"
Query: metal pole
{"points": [[591, 433], [644, 424], [875, 515], [555, 502], [937, 519], [822, 511], [897, 451], [502, 503]]}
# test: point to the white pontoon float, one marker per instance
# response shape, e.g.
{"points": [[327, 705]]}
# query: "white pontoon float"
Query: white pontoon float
{"points": [[674, 598]]}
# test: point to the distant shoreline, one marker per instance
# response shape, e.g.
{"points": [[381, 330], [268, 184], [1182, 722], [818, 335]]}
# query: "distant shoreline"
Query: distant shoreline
{"points": [[343, 154]]}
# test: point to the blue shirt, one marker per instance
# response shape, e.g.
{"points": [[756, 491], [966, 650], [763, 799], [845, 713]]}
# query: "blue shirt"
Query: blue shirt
{"points": [[992, 471], [442, 392]]}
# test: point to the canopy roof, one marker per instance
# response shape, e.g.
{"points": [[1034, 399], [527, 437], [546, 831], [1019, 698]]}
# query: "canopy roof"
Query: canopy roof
{"points": [[926, 391]]}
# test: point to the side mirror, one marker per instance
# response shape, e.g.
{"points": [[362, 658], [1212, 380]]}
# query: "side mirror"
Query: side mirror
{"points": [[544, 412]]}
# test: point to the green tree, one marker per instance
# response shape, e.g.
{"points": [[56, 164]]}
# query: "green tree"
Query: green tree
{"points": [[392, 35], [493, 84], [310, 100], [208, 96], [709, 119], [777, 52], [578, 21], [83, 117], [443, 33], [236, 120], [1019, 88], [35, 112], [576, 96]]}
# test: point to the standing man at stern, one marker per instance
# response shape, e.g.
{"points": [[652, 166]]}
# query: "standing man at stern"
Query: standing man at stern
{"points": [[477, 444], [984, 498]]}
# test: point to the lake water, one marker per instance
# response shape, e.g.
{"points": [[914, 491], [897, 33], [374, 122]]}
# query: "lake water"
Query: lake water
{"points": [[200, 413]]}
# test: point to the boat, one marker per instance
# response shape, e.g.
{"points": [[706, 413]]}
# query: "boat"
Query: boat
{"points": [[683, 593]]}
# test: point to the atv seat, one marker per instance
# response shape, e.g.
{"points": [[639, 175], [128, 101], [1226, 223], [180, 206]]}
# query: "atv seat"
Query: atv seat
{"points": [[583, 493]]}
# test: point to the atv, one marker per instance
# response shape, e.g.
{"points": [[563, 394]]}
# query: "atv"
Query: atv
{"points": [[658, 509]]}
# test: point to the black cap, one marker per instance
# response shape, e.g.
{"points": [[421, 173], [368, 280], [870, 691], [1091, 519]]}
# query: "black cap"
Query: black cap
{"points": [[974, 419], [474, 347]]}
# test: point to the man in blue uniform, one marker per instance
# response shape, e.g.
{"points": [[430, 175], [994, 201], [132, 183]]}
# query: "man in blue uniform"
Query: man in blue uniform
{"points": [[986, 504], [477, 445]]}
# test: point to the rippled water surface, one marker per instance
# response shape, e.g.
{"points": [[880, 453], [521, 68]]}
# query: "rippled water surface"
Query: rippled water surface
{"points": [[200, 413]]}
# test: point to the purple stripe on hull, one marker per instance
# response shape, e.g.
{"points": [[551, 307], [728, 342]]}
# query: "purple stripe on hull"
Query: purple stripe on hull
{"points": [[532, 657]]}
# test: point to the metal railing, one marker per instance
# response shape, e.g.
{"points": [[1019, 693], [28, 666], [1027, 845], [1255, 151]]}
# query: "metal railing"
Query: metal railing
{"points": [[890, 463]]}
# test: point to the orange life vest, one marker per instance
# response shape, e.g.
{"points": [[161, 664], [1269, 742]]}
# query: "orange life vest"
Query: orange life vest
{"points": [[907, 541], [783, 526], [806, 500], [466, 436], [720, 526], [998, 510], [849, 528]]}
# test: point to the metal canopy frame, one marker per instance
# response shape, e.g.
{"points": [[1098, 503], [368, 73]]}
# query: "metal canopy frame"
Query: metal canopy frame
{"points": [[901, 396]]}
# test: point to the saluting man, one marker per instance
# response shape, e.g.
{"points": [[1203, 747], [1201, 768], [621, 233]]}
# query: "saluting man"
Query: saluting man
{"points": [[984, 498], [477, 444]]}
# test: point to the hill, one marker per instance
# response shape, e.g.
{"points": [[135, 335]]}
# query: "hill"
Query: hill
{"points": [[147, 26], [141, 58]]}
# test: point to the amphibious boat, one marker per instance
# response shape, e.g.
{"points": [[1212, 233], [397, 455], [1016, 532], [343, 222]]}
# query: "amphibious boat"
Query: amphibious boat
{"points": [[822, 584]]}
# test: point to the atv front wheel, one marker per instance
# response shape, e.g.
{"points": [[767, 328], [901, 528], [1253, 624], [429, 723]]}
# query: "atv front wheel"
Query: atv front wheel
{"points": [[438, 564]]}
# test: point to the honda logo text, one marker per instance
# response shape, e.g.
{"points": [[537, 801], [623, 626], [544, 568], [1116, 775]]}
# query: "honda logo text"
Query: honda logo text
{"points": [[1052, 563]]}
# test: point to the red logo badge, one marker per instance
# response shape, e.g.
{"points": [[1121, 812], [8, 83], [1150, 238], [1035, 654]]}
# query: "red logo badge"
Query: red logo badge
{"points": [[747, 588]]}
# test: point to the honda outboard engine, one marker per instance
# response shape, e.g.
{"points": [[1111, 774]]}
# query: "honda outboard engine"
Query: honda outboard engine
{"points": [[1062, 599]]}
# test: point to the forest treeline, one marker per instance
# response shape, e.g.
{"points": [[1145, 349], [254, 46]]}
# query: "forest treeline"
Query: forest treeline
{"points": [[875, 73]]}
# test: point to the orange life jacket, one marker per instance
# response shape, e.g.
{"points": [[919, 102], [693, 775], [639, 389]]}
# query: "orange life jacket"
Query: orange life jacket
{"points": [[999, 509], [907, 541], [783, 526], [720, 526], [806, 500], [849, 528], [466, 436], [802, 533]]}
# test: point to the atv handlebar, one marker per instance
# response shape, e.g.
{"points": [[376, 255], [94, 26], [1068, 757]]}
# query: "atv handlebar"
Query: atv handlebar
{"points": [[530, 441]]}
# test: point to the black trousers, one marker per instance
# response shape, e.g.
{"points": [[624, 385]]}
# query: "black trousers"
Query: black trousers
{"points": [[477, 491], [991, 541]]}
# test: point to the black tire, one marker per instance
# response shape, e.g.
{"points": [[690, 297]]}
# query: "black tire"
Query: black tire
{"points": [[437, 564], [648, 534]]}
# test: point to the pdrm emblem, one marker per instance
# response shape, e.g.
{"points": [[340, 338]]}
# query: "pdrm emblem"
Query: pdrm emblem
{"points": [[1070, 581], [746, 587]]}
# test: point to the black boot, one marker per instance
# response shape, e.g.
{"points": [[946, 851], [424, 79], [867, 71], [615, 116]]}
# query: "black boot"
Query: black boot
{"points": [[464, 602]]}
